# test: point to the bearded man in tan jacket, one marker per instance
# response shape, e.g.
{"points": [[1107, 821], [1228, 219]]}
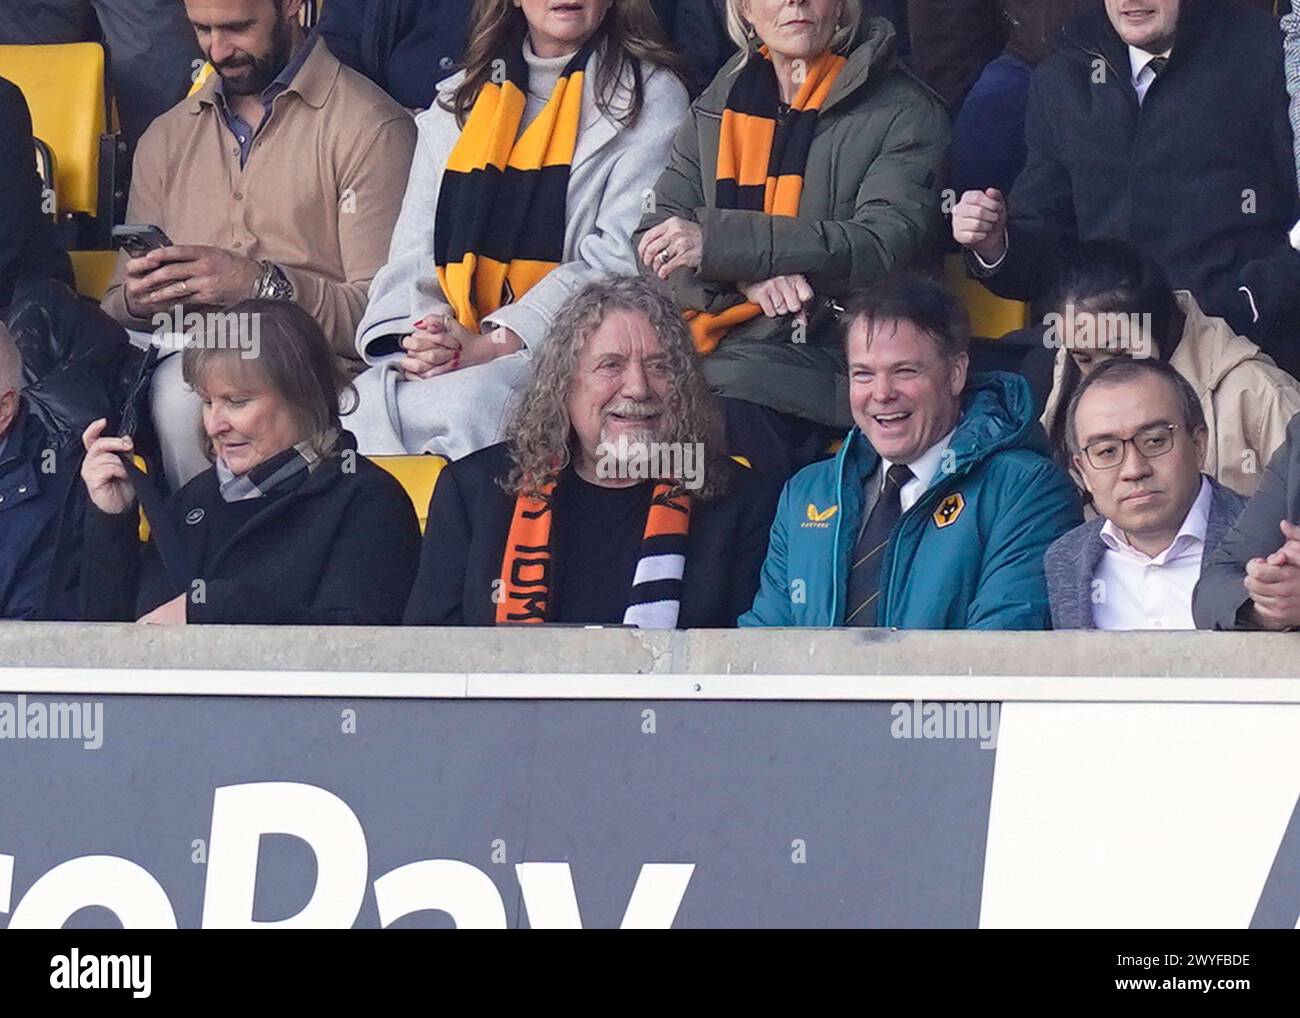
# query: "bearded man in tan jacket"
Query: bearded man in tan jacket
{"points": [[280, 177]]}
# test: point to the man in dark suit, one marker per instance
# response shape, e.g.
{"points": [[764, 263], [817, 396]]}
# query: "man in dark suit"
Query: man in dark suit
{"points": [[1163, 123], [1138, 436], [27, 242]]}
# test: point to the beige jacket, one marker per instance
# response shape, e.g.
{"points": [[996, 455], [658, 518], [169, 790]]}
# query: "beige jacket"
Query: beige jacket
{"points": [[1247, 399], [318, 196]]}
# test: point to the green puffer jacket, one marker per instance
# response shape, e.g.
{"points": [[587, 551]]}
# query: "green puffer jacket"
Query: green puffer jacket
{"points": [[870, 204]]}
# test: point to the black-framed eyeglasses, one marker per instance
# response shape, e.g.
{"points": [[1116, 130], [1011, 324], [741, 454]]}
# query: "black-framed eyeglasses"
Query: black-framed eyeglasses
{"points": [[1152, 442]]}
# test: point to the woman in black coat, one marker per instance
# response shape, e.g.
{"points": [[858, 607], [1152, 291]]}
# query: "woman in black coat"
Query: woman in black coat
{"points": [[288, 526]]}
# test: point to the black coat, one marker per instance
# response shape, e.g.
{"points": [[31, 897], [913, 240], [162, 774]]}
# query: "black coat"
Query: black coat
{"points": [[404, 46], [1221, 593], [341, 549], [34, 480], [27, 241], [469, 521], [1201, 176], [698, 35]]}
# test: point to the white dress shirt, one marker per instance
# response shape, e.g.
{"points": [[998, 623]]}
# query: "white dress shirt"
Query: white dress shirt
{"points": [[924, 468], [1143, 73], [1137, 591]]}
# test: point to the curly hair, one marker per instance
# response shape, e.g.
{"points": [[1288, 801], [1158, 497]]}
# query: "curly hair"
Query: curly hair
{"points": [[540, 435]]}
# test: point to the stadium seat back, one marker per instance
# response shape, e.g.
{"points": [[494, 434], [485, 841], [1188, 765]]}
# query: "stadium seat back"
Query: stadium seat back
{"points": [[418, 476], [65, 90], [991, 316], [45, 169], [93, 271]]}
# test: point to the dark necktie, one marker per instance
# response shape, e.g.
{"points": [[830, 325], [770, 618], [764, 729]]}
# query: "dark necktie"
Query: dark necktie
{"points": [[869, 552], [1157, 65]]}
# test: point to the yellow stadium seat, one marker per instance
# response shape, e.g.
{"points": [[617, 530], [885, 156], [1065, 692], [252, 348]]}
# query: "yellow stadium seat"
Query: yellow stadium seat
{"points": [[93, 271], [144, 520], [418, 476], [65, 90], [991, 316]]}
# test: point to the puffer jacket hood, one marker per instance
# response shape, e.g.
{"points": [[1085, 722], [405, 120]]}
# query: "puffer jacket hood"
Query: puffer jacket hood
{"points": [[997, 414], [968, 554]]}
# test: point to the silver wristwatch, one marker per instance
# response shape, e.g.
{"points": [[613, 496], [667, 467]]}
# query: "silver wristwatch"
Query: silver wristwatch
{"points": [[273, 283]]}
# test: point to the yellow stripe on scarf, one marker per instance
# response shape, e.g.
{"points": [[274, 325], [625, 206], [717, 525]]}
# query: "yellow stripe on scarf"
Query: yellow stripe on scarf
{"points": [[477, 285], [745, 156]]}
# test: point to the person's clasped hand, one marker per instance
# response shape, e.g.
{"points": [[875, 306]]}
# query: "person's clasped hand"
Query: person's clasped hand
{"points": [[979, 222], [674, 244], [440, 344], [1273, 582], [780, 295]]}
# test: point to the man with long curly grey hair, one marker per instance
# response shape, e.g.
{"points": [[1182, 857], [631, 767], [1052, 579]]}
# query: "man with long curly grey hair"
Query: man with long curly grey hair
{"points": [[612, 500]]}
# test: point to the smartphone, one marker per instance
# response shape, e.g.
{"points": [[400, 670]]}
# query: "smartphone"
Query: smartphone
{"points": [[137, 241]]}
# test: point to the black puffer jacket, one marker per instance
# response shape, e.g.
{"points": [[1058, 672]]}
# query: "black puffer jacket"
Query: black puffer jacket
{"points": [[78, 365]]}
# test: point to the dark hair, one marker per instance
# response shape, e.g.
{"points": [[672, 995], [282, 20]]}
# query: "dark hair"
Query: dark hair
{"points": [[1108, 276], [628, 34], [1119, 370], [291, 355], [909, 297]]}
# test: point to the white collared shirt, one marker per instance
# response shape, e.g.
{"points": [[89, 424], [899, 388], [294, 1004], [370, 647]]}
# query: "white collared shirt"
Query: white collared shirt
{"points": [[1136, 591], [924, 468], [1143, 73]]}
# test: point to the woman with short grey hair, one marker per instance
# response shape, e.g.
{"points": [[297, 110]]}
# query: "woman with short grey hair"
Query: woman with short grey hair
{"points": [[809, 168], [288, 526]]}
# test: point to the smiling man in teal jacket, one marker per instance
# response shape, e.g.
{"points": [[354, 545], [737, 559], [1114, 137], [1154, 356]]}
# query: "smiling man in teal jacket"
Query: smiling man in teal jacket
{"points": [[939, 507]]}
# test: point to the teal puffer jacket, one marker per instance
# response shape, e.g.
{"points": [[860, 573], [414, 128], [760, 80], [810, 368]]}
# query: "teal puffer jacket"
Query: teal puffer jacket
{"points": [[967, 555]]}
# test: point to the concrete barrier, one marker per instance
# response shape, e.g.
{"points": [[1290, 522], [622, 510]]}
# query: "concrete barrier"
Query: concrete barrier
{"points": [[703, 778]]}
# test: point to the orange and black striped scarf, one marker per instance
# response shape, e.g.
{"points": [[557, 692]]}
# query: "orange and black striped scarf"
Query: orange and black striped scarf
{"points": [[499, 226], [656, 595], [761, 160]]}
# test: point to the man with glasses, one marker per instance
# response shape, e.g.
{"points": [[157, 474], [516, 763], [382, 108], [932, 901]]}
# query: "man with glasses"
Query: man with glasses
{"points": [[1138, 438]]}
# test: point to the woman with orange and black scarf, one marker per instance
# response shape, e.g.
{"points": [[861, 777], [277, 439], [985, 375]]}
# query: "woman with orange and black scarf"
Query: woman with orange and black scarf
{"points": [[530, 173], [810, 167]]}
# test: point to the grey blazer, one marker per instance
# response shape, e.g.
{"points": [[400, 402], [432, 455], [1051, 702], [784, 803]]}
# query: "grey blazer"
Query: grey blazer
{"points": [[1072, 559], [1221, 594]]}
